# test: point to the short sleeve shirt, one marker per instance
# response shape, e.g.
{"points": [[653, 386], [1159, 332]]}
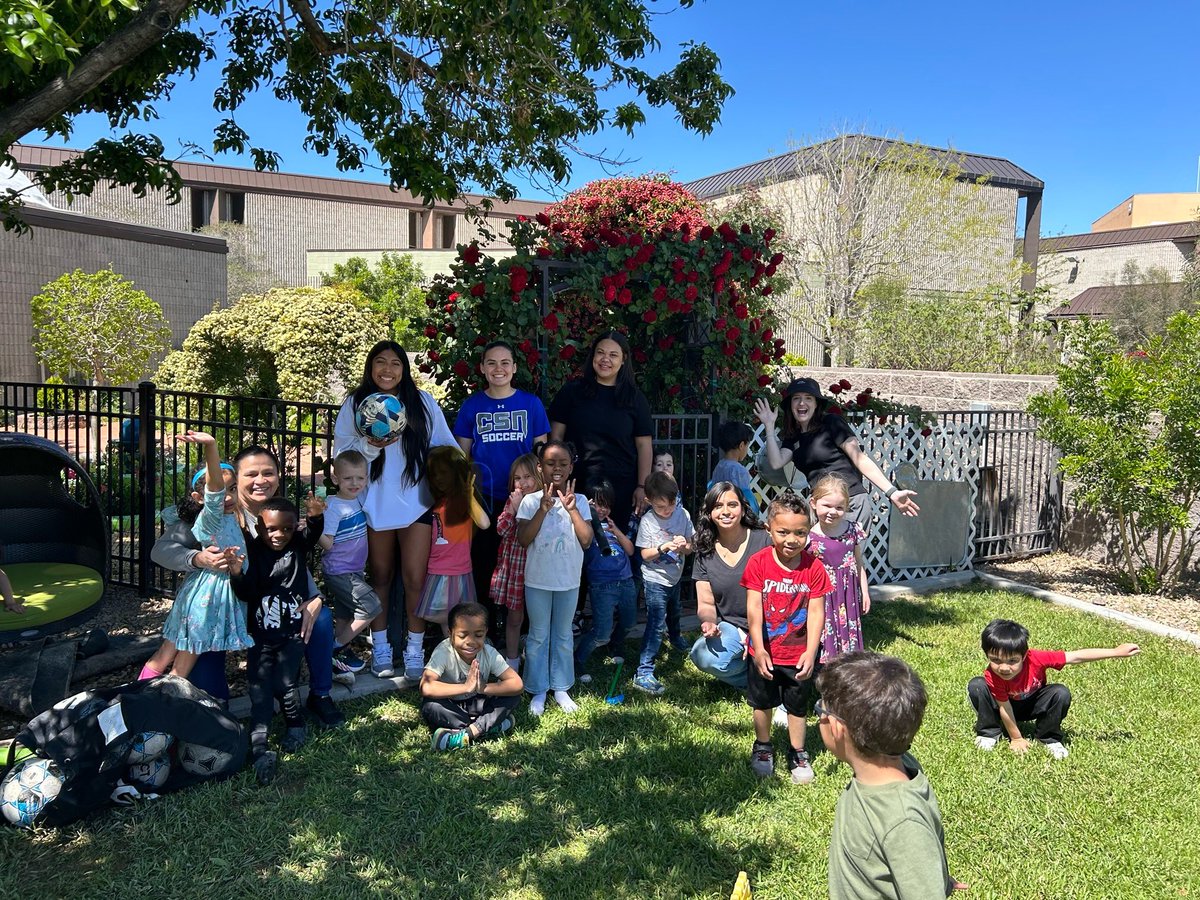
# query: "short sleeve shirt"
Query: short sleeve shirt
{"points": [[500, 431], [603, 432], [451, 668], [652, 532], [786, 594], [346, 523], [726, 580], [1031, 677], [554, 561], [819, 453]]}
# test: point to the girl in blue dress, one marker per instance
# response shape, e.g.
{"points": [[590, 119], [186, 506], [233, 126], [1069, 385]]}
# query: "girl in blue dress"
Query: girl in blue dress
{"points": [[206, 615]]}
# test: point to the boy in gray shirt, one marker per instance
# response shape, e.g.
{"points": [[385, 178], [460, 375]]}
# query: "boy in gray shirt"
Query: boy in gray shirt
{"points": [[664, 537]]}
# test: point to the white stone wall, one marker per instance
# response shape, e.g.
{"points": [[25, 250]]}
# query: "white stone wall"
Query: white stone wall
{"points": [[1102, 265]]}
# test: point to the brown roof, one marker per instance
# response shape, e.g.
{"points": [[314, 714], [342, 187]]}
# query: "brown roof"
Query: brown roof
{"points": [[1144, 234], [1102, 301], [999, 172], [32, 157], [61, 220]]}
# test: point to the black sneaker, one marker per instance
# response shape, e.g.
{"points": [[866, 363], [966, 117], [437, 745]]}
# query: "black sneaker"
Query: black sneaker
{"points": [[294, 739], [266, 767], [325, 711]]}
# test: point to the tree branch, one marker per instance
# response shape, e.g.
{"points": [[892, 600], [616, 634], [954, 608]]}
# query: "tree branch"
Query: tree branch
{"points": [[102, 61]]}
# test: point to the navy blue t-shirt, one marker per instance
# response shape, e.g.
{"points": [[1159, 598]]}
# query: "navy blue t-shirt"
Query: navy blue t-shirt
{"points": [[605, 569], [500, 431]]}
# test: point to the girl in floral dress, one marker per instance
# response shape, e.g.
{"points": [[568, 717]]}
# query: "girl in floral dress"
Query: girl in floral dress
{"points": [[206, 614], [837, 541]]}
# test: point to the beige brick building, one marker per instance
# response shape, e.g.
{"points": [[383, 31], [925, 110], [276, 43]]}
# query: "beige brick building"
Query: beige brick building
{"points": [[1140, 210], [985, 205], [286, 216], [184, 272]]}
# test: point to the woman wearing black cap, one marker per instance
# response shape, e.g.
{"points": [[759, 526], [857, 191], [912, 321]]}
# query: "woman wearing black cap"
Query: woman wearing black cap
{"points": [[819, 444]]}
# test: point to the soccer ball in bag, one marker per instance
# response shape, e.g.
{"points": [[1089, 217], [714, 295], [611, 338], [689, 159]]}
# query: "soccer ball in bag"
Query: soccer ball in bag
{"points": [[197, 759], [380, 416], [152, 774], [149, 745], [27, 789]]}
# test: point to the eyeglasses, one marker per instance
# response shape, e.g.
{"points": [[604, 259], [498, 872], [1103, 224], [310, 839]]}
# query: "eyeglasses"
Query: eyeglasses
{"points": [[822, 710]]}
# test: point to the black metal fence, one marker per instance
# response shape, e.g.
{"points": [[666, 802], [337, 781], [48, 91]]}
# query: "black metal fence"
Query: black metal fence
{"points": [[124, 437]]}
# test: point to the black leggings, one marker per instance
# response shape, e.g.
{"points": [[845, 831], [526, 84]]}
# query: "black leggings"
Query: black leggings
{"points": [[273, 670]]}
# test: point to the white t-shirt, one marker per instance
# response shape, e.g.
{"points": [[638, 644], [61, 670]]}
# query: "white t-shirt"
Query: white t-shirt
{"points": [[554, 560], [393, 501]]}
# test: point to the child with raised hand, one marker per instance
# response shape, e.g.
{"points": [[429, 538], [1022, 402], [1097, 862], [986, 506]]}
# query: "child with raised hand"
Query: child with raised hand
{"points": [[664, 538], [733, 440], [1014, 688], [273, 580], [469, 691], [456, 513], [207, 614], [887, 839], [507, 588], [785, 613], [554, 527], [344, 540], [610, 585], [837, 540]]}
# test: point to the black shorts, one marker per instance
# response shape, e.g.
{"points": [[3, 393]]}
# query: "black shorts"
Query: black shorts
{"points": [[794, 694]]}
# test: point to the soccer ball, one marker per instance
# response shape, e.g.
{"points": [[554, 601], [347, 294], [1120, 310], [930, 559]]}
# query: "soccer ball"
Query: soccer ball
{"points": [[197, 759], [149, 745], [152, 774], [380, 416], [27, 789]]}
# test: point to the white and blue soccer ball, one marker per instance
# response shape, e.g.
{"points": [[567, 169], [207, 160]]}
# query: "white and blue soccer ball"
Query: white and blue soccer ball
{"points": [[27, 789], [197, 759], [149, 745], [152, 774], [380, 416]]}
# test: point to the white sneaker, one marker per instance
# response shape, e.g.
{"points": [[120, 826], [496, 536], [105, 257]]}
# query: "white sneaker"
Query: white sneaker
{"points": [[346, 678], [585, 679], [985, 743], [779, 717], [1057, 750], [617, 660]]}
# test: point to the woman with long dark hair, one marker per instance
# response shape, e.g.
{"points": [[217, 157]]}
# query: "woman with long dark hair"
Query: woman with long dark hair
{"points": [[397, 501], [728, 533], [608, 420], [820, 444]]}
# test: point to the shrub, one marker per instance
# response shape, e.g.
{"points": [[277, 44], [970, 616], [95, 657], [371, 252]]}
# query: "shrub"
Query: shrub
{"points": [[1127, 425]]}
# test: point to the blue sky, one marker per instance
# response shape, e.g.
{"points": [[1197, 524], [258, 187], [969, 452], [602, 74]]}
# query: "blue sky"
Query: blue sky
{"points": [[1096, 99]]}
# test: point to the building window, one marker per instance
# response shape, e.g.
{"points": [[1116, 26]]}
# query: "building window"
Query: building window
{"points": [[449, 224], [233, 207], [203, 201]]}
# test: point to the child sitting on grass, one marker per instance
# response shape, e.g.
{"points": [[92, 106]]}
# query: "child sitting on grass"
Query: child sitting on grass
{"points": [[887, 839], [1014, 689], [273, 580], [785, 614], [469, 690]]}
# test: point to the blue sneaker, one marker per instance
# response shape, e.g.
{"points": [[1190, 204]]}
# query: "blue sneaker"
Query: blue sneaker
{"points": [[346, 661], [448, 739], [649, 684]]}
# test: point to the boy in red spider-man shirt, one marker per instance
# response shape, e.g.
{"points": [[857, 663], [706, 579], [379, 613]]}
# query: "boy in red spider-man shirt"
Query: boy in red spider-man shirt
{"points": [[1014, 688]]}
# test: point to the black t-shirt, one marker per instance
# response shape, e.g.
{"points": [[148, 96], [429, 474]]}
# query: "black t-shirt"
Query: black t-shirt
{"points": [[274, 585], [603, 432], [819, 453], [726, 580]]}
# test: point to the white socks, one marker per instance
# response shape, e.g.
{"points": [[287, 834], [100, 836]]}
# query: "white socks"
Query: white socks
{"points": [[563, 699], [379, 639], [537, 704], [416, 641]]}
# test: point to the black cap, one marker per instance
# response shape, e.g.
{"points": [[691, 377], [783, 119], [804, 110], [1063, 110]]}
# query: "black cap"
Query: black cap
{"points": [[804, 386]]}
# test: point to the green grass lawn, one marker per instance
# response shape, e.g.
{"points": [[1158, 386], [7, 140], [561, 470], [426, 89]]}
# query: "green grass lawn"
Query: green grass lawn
{"points": [[654, 799]]}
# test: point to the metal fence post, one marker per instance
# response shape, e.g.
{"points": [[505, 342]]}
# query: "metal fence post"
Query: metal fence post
{"points": [[147, 476]]}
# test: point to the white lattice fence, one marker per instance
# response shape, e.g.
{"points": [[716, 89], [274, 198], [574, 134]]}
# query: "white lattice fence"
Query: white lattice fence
{"points": [[950, 453]]}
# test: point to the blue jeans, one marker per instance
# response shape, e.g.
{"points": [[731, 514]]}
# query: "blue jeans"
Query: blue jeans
{"points": [[209, 672], [550, 647], [722, 656], [659, 599], [616, 599]]}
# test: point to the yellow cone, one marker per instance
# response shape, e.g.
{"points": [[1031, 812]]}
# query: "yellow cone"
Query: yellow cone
{"points": [[741, 889]]}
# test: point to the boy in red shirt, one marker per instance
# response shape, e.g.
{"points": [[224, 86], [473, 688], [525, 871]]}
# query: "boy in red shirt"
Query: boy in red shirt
{"points": [[1014, 688], [785, 612]]}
